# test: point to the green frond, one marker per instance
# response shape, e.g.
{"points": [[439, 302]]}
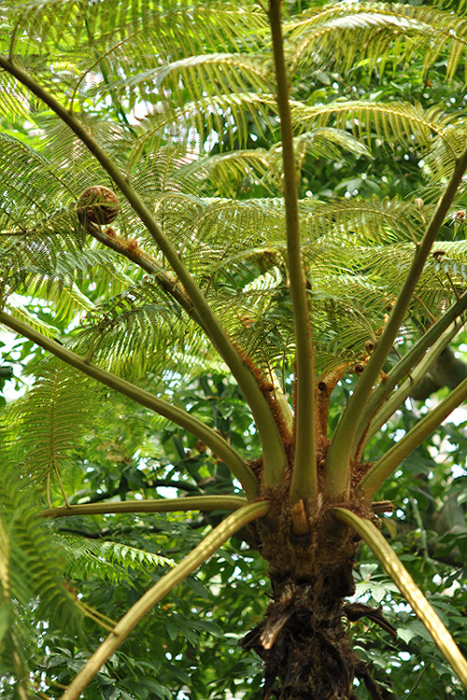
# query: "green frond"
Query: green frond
{"points": [[244, 227], [222, 114], [93, 271], [139, 329], [94, 38], [351, 222], [98, 271], [238, 170], [221, 226], [355, 267], [21, 313], [243, 251], [14, 102], [60, 146], [67, 300], [439, 161], [109, 561], [176, 27], [390, 122], [385, 34], [234, 171], [206, 73], [33, 176], [35, 220], [32, 583], [312, 29], [156, 165], [49, 421], [327, 142]]}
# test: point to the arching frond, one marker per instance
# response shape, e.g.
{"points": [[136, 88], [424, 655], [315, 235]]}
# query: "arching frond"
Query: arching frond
{"points": [[32, 582], [385, 34], [110, 560], [231, 171], [350, 222], [238, 170], [177, 28], [14, 102], [49, 421], [206, 73], [96, 38], [207, 115], [134, 336], [33, 175], [392, 122], [327, 142]]}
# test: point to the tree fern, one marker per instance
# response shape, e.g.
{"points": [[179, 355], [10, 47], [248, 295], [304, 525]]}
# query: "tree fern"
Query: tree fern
{"points": [[201, 120]]}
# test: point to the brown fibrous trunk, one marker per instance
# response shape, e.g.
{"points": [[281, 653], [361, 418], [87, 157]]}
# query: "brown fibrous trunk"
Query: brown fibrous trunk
{"points": [[302, 639]]}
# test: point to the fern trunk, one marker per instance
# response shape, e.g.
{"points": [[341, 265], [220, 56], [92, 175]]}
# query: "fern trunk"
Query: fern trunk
{"points": [[302, 639]]}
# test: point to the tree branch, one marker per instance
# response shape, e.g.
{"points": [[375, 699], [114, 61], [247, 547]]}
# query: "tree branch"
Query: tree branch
{"points": [[128, 622]]}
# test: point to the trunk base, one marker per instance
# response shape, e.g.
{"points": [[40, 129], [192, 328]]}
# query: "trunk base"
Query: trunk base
{"points": [[302, 640]]}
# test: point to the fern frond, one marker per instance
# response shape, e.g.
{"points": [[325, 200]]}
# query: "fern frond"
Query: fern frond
{"points": [[362, 221], [68, 300], [232, 171], [229, 229], [385, 34], [220, 114], [237, 170], [174, 28], [392, 122], [109, 561], [141, 329], [354, 281], [36, 177], [96, 38], [327, 142], [32, 580], [14, 102], [50, 420], [439, 161], [213, 72], [21, 313]]}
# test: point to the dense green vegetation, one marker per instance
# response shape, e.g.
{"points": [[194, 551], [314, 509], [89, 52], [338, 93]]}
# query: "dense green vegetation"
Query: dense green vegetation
{"points": [[259, 314]]}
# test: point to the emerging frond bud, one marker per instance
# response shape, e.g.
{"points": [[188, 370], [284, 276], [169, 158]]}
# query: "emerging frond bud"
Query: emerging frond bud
{"points": [[98, 204]]}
